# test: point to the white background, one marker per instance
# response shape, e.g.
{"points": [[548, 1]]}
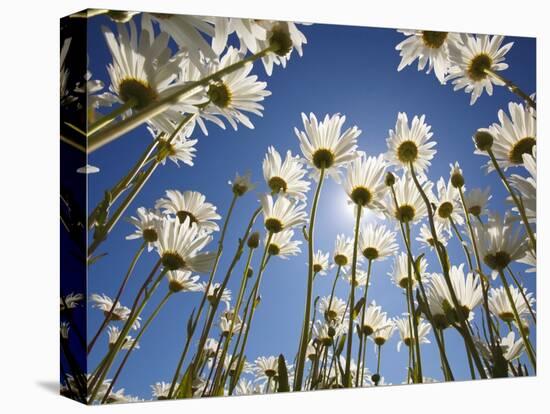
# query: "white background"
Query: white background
{"points": [[29, 229]]}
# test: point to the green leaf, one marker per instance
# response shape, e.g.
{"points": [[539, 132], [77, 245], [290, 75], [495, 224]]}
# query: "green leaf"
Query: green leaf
{"points": [[358, 306], [190, 323], [185, 389], [341, 344], [283, 375]]}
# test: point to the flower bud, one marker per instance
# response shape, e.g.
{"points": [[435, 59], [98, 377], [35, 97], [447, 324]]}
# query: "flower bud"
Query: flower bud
{"points": [[457, 180], [249, 272], [254, 240], [483, 140], [390, 179]]}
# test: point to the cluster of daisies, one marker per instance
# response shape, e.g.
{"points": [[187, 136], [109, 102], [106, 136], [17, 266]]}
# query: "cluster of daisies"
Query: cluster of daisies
{"points": [[480, 297]]}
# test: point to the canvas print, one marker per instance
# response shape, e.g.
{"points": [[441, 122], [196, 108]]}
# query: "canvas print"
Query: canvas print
{"points": [[255, 206]]}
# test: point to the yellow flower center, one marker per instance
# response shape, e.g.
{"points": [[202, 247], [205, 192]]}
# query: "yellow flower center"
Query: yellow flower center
{"points": [[523, 146], [445, 210], [182, 215], [273, 225], [172, 261], [478, 66], [323, 158], [361, 196], [371, 253], [138, 90], [219, 94], [341, 260], [434, 40], [498, 260], [277, 184], [405, 213], [407, 152]]}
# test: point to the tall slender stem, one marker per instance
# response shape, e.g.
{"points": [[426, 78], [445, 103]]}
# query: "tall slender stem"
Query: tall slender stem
{"points": [[118, 295], [299, 374], [519, 322], [362, 336], [445, 268], [523, 295], [134, 344], [114, 131], [347, 372], [516, 200], [513, 88], [462, 243], [110, 117]]}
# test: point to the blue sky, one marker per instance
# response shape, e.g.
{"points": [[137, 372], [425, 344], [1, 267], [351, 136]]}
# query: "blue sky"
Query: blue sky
{"points": [[350, 70]]}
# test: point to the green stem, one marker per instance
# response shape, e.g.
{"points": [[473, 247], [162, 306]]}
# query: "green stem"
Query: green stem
{"points": [[522, 292], [136, 340], [362, 337], [118, 295], [517, 202], [513, 88], [521, 328], [309, 293], [347, 372], [463, 244], [428, 312], [110, 117], [445, 268], [114, 131]]}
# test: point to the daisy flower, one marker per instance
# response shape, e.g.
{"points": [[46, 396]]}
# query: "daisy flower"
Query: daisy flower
{"points": [[407, 337], [410, 205], [210, 346], [324, 145], [214, 291], [188, 32], [146, 225], [530, 260], [282, 245], [179, 149], [364, 181], [64, 330], [361, 278], [431, 48], [120, 313], [499, 304], [190, 206], [247, 387], [325, 332], [377, 242], [471, 61], [180, 244], [527, 186], [282, 214], [143, 69], [241, 185], [182, 281], [343, 251], [320, 263], [513, 137], [285, 177], [70, 301], [333, 310], [500, 242], [113, 334], [160, 390], [226, 320], [467, 289], [425, 236], [400, 271], [476, 201], [373, 320], [266, 367], [412, 144], [447, 203], [512, 348], [384, 333]]}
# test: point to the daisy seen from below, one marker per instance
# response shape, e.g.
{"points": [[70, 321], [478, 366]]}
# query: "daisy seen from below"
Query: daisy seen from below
{"points": [[400, 271], [182, 281], [142, 70], [447, 203], [474, 60], [513, 137], [282, 245], [430, 47], [373, 320], [285, 177], [527, 186], [320, 262], [324, 146], [377, 242], [404, 325], [343, 252], [119, 313], [500, 306], [500, 242], [191, 206], [231, 95], [180, 244], [410, 206], [410, 145], [333, 308], [113, 333], [364, 181], [477, 201], [241, 184], [146, 226], [282, 213], [425, 236]]}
